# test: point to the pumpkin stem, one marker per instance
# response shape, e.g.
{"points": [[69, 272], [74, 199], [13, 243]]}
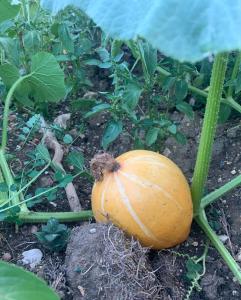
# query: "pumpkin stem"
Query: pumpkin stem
{"points": [[103, 162]]}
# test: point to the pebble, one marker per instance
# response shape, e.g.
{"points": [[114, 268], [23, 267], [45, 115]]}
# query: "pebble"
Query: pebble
{"points": [[166, 152], [195, 244], [32, 257], [92, 230], [235, 293], [223, 238], [238, 256], [34, 229], [233, 172], [6, 256]]}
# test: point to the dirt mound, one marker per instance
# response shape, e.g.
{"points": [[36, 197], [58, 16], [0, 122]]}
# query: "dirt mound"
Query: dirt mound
{"points": [[102, 263]]}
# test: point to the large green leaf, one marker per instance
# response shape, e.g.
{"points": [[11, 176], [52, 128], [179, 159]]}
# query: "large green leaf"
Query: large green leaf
{"points": [[9, 74], [8, 11], [18, 284], [47, 78], [187, 30], [45, 83]]}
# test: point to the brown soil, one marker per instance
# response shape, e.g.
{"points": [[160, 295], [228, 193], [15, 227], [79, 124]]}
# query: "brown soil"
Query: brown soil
{"points": [[218, 281]]}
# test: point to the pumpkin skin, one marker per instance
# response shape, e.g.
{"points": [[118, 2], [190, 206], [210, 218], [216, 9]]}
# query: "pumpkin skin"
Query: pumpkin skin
{"points": [[148, 197]]}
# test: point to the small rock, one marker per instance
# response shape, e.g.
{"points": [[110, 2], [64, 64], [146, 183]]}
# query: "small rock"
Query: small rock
{"points": [[223, 238], [6, 256], [235, 293], [92, 230], [166, 152], [195, 244], [233, 172], [32, 257], [34, 229], [238, 256]]}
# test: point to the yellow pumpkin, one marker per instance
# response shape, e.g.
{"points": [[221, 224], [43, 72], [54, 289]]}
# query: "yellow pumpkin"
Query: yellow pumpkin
{"points": [[145, 194]]}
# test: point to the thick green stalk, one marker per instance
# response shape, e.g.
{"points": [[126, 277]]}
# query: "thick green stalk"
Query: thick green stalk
{"points": [[3, 195], [234, 74], [6, 111], [208, 129], [8, 178], [213, 196], [42, 217], [203, 223]]}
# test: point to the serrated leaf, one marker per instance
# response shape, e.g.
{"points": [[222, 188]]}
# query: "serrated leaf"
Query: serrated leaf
{"points": [[7, 10], [43, 152], [181, 89], [27, 286], [131, 97], [76, 159], [97, 109], [196, 29], [151, 136], [186, 109], [112, 131], [148, 58]]}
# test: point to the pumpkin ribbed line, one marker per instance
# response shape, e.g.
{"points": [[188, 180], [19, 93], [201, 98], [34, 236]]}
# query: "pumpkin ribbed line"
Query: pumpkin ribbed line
{"points": [[126, 202], [147, 184]]}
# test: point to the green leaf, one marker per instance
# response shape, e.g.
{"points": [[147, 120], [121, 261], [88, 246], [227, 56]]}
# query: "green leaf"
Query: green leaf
{"points": [[238, 83], [11, 49], [148, 58], [32, 41], [83, 104], [131, 97], [172, 129], [26, 285], [151, 136], [97, 109], [103, 54], [112, 131], [67, 139], [43, 152], [65, 37], [186, 109], [181, 138], [185, 30], [47, 79], [9, 74], [3, 187], [7, 10], [224, 113], [76, 159], [181, 89]]}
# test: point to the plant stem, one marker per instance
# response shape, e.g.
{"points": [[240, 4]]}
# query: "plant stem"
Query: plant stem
{"points": [[208, 129], [6, 111], [37, 217], [229, 101], [234, 74], [234, 267], [233, 104], [8, 177], [210, 198]]}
